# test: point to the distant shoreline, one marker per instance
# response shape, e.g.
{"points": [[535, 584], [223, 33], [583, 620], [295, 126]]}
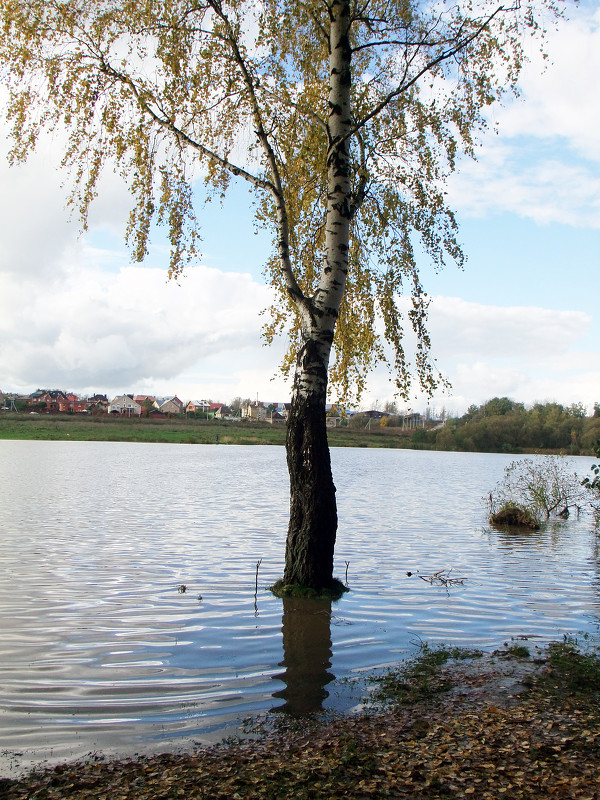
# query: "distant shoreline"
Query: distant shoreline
{"points": [[182, 430]]}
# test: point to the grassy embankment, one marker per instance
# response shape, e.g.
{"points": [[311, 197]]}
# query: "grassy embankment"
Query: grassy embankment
{"points": [[71, 427], [65, 427]]}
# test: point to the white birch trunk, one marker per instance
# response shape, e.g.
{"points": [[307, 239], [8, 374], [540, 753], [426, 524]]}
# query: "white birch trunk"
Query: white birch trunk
{"points": [[313, 514]]}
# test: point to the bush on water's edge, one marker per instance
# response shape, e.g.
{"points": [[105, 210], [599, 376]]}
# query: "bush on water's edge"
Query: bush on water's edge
{"points": [[513, 516]]}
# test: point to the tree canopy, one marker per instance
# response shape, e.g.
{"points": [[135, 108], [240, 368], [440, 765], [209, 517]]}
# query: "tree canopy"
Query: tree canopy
{"points": [[173, 94]]}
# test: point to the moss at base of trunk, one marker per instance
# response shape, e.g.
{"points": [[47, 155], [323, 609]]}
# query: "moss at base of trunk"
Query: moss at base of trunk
{"points": [[332, 592]]}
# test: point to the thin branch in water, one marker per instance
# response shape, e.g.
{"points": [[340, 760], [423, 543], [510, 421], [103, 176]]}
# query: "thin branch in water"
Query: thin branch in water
{"points": [[258, 563], [442, 578]]}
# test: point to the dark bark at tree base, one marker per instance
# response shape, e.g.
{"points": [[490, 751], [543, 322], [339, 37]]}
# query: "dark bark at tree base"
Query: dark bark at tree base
{"points": [[313, 513]]}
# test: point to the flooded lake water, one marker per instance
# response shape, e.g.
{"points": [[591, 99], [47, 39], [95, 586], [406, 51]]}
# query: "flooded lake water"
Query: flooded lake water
{"points": [[100, 650]]}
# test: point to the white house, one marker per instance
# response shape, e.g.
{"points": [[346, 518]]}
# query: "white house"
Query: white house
{"points": [[125, 405]]}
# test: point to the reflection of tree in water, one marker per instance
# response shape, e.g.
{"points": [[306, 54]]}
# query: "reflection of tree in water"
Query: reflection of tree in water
{"points": [[306, 655]]}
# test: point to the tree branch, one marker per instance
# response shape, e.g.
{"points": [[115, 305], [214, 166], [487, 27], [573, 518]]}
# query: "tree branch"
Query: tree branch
{"points": [[180, 135], [444, 56], [276, 186], [306, 112], [359, 194]]}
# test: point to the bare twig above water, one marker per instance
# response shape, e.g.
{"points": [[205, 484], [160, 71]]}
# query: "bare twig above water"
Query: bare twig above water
{"points": [[258, 563]]}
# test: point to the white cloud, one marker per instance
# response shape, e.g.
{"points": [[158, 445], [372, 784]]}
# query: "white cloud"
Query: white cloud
{"points": [[126, 327], [544, 164], [466, 330], [39, 233], [131, 330], [34, 225], [547, 191], [526, 353], [560, 95]]}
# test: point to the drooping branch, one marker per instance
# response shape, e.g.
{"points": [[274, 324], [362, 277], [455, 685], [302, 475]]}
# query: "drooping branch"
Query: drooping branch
{"points": [[275, 186], [181, 136], [234, 169]]}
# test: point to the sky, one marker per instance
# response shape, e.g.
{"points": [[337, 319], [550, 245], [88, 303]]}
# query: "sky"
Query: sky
{"points": [[520, 320]]}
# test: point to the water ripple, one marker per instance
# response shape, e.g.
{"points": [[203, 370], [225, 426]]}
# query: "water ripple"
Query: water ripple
{"points": [[99, 649]]}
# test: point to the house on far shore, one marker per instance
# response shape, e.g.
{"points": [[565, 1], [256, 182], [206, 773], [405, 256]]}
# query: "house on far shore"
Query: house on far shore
{"points": [[125, 405], [54, 402], [254, 411], [197, 407], [218, 410], [147, 402], [38, 398], [98, 404], [75, 405], [170, 405], [282, 410], [333, 415]]}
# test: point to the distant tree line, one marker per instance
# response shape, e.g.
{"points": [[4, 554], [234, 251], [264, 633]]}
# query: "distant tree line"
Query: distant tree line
{"points": [[504, 426]]}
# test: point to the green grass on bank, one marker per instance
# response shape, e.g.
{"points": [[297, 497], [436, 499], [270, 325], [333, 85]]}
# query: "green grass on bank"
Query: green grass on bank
{"points": [[70, 427], [183, 430]]}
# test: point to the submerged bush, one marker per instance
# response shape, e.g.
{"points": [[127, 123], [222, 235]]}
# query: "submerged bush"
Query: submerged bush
{"points": [[593, 486], [515, 516], [419, 678], [572, 671], [535, 490]]}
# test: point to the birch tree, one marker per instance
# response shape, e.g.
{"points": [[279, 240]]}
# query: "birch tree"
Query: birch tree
{"points": [[345, 118]]}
